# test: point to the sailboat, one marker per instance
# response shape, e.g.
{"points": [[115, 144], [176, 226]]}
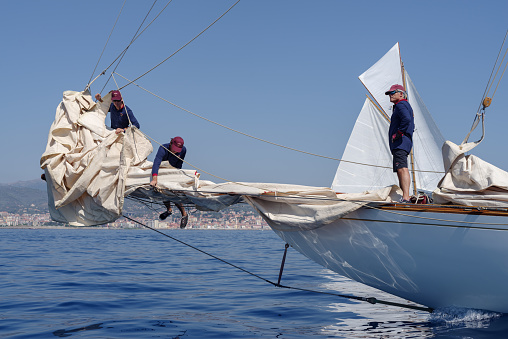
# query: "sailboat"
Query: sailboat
{"points": [[450, 252]]}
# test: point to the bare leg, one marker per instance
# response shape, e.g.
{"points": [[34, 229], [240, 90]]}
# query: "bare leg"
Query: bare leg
{"points": [[168, 205], [182, 209], [404, 182]]}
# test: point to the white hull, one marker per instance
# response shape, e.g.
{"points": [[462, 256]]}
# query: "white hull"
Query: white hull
{"points": [[431, 262]]}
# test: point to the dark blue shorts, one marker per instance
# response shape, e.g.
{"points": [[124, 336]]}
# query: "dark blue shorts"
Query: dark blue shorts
{"points": [[399, 159]]}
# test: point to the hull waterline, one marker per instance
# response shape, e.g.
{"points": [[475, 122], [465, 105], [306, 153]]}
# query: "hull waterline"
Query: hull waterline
{"points": [[433, 259]]}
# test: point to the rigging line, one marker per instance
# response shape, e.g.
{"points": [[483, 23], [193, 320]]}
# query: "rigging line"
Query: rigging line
{"points": [[492, 72], [107, 41], [134, 39], [423, 224], [501, 77], [487, 89], [195, 167], [427, 218], [259, 139], [500, 64], [371, 300], [163, 61], [364, 204], [195, 248], [476, 121], [124, 104], [436, 219], [147, 204], [420, 217], [124, 52]]}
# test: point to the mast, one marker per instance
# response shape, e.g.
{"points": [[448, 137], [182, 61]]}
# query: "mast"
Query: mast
{"points": [[411, 155]]}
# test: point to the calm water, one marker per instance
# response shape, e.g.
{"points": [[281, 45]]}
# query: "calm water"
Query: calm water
{"points": [[140, 284]]}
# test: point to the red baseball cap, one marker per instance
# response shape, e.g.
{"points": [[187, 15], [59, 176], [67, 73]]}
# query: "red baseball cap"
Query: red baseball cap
{"points": [[115, 95], [176, 144], [395, 88]]}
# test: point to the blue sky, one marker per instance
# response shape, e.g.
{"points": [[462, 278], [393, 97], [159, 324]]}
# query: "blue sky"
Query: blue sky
{"points": [[285, 71]]}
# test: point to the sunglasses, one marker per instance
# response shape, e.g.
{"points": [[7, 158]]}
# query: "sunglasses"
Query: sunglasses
{"points": [[117, 100], [393, 92]]}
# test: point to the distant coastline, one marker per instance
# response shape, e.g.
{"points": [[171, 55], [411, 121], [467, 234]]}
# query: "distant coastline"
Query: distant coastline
{"points": [[126, 229], [24, 204], [227, 219]]}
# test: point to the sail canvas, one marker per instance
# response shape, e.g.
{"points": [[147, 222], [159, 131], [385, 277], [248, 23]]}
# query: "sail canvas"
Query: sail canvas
{"points": [[367, 157]]}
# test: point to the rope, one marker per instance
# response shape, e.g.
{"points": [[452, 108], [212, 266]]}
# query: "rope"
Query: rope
{"points": [[424, 224], [289, 196], [193, 166], [136, 35], [481, 108], [259, 139], [371, 300], [104, 48], [500, 64], [363, 203], [132, 41], [502, 74], [178, 50], [124, 106]]}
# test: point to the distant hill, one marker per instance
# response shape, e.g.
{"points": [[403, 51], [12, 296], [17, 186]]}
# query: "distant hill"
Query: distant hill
{"points": [[24, 197], [36, 184]]}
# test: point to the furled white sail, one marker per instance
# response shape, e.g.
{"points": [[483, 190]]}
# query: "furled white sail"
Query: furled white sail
{"points": [[367, 154], [90, 169]]}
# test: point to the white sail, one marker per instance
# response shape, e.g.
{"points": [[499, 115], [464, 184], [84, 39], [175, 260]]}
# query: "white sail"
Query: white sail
{"points": [[427, 143], [367, 144], [384, 73], [367, 153]]}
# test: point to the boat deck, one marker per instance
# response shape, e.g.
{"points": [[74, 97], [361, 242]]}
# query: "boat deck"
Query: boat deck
{"points": [[457, 209]]}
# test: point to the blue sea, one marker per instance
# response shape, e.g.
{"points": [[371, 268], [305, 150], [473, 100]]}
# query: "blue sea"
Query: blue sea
{"points": [[100, 283]]}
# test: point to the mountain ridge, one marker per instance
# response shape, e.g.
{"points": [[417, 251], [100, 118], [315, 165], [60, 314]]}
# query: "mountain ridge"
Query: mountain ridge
{"points": [[24, 197]]}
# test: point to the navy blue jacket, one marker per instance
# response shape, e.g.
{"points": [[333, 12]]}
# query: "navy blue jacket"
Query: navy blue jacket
{"points": [[402, 126], [163, 155], [119, 117]]}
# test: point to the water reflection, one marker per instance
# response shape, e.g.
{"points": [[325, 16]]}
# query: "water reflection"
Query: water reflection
{"points": [[363, 320]]}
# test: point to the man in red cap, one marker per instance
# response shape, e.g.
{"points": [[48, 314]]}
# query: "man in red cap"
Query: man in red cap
{"points": [[173, 152], [121, 115], [400, 135]]}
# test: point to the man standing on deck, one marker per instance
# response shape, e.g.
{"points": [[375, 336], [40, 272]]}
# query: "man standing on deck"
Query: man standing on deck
{"points": [[174, 152], [400, 136], [121, 115]]}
